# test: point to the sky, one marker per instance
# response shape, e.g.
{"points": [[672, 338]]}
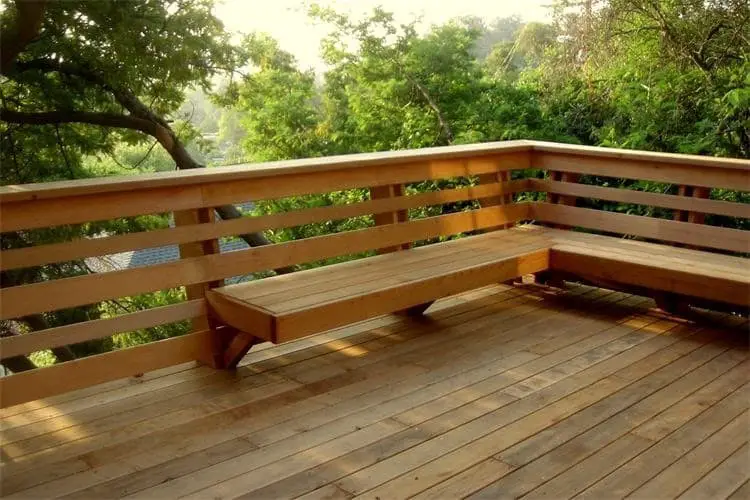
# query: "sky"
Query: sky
{"points": [[287, 21]]}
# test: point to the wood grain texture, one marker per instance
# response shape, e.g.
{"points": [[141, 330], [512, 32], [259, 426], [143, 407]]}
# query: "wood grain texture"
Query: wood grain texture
{"points": [[305, 321], [52, 211], [236, 173], [70, 292], [414, 408], [729, 175], [60, 252], [249, 319], [734, 240], [330, 164], [367, 291], [56, 379], [417, 282], [198, 248], [392, 191], [654, 277], [100, 328], [706, 206], [615, 154]]}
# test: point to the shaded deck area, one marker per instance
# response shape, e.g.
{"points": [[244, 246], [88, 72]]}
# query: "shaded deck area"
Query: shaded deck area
{"points": [[500, 392]]}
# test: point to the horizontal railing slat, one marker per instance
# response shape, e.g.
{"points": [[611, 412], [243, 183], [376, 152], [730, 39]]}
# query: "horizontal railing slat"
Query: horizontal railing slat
{"points": [[77, 249], [281, 186], [32, 214], [672, 173], [90, 330], [661, 200], [733, 240], [234, 173], [84, 372], [70, 292], [617, 154]]}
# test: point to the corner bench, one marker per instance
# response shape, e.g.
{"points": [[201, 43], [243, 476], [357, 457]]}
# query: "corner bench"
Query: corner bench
{"points": [[287, 307]]}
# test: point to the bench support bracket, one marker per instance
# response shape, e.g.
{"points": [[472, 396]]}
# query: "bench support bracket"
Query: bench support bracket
{"points": [[230, 347], [415, 311], [237, 348]]}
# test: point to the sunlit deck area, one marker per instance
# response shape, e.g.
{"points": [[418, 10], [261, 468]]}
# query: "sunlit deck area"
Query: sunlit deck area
{"points": [[505, 391]]}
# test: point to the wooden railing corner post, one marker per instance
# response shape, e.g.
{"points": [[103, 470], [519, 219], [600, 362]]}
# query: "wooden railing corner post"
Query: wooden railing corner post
{"points": [[199, 290], [380, 219], [500, 177], [558, 199]]}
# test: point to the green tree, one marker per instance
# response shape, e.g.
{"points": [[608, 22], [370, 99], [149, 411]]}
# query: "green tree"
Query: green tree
{"points": [[655, 75], [275, 103], [82, 79]]}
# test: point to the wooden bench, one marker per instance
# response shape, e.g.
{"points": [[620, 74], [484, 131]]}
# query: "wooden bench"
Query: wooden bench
{"points": [[285, 308]]}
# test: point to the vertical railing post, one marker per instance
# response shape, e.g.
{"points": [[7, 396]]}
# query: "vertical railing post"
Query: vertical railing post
{"points": [[503, 199], [389, 191], [199, 290], [562, 199], [688, 215], [670, 302], [394, 191]]}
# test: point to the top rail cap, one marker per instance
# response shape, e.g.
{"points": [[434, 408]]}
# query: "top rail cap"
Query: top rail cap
{"points": [[61, 189]]}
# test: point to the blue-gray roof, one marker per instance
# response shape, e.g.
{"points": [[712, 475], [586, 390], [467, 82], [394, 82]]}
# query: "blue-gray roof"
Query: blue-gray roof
{"points": [[162, 255]]}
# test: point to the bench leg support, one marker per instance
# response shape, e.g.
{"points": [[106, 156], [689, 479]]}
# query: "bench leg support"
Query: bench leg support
{"points": [[672, 303], [415, 311], [550, 278], [229, 346], [237, 348]]}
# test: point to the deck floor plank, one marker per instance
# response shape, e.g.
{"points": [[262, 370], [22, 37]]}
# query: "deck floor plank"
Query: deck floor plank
{"points": [[162, 400], [503, 391], [612, 456], [467, 445], [679, 476], [724, 480], [145, 444]]}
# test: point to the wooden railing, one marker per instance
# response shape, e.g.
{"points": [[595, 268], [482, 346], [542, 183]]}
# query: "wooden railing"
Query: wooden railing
{"points": [[191, 197]]}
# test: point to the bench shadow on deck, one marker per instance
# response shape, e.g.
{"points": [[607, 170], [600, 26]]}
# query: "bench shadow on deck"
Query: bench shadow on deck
{"points": [[500, 392]]}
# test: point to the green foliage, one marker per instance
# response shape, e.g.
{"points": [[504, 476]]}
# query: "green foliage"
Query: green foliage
{"points": [[156, 49], [311, 201], [659, 76], [129, 339]]}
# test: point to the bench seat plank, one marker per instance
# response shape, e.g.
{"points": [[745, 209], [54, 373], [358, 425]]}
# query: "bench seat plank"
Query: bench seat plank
{"points": [[705, 260], [697, 273], [327, 278], [632, 270], [411, 277]]}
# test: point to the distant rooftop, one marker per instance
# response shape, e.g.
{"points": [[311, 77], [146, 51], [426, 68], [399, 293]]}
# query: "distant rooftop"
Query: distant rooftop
{"points": [[164, 254]]}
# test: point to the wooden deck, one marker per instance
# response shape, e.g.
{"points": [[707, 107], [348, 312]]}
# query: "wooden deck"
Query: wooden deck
{"points": [[501, 392]]}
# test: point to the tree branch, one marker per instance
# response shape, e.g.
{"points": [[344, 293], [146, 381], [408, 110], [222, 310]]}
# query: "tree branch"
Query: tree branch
{"points": [[141, 118], [165, 136], [61, 146], [101, 119], [123, 96], [30, 14], [447, 132]]}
